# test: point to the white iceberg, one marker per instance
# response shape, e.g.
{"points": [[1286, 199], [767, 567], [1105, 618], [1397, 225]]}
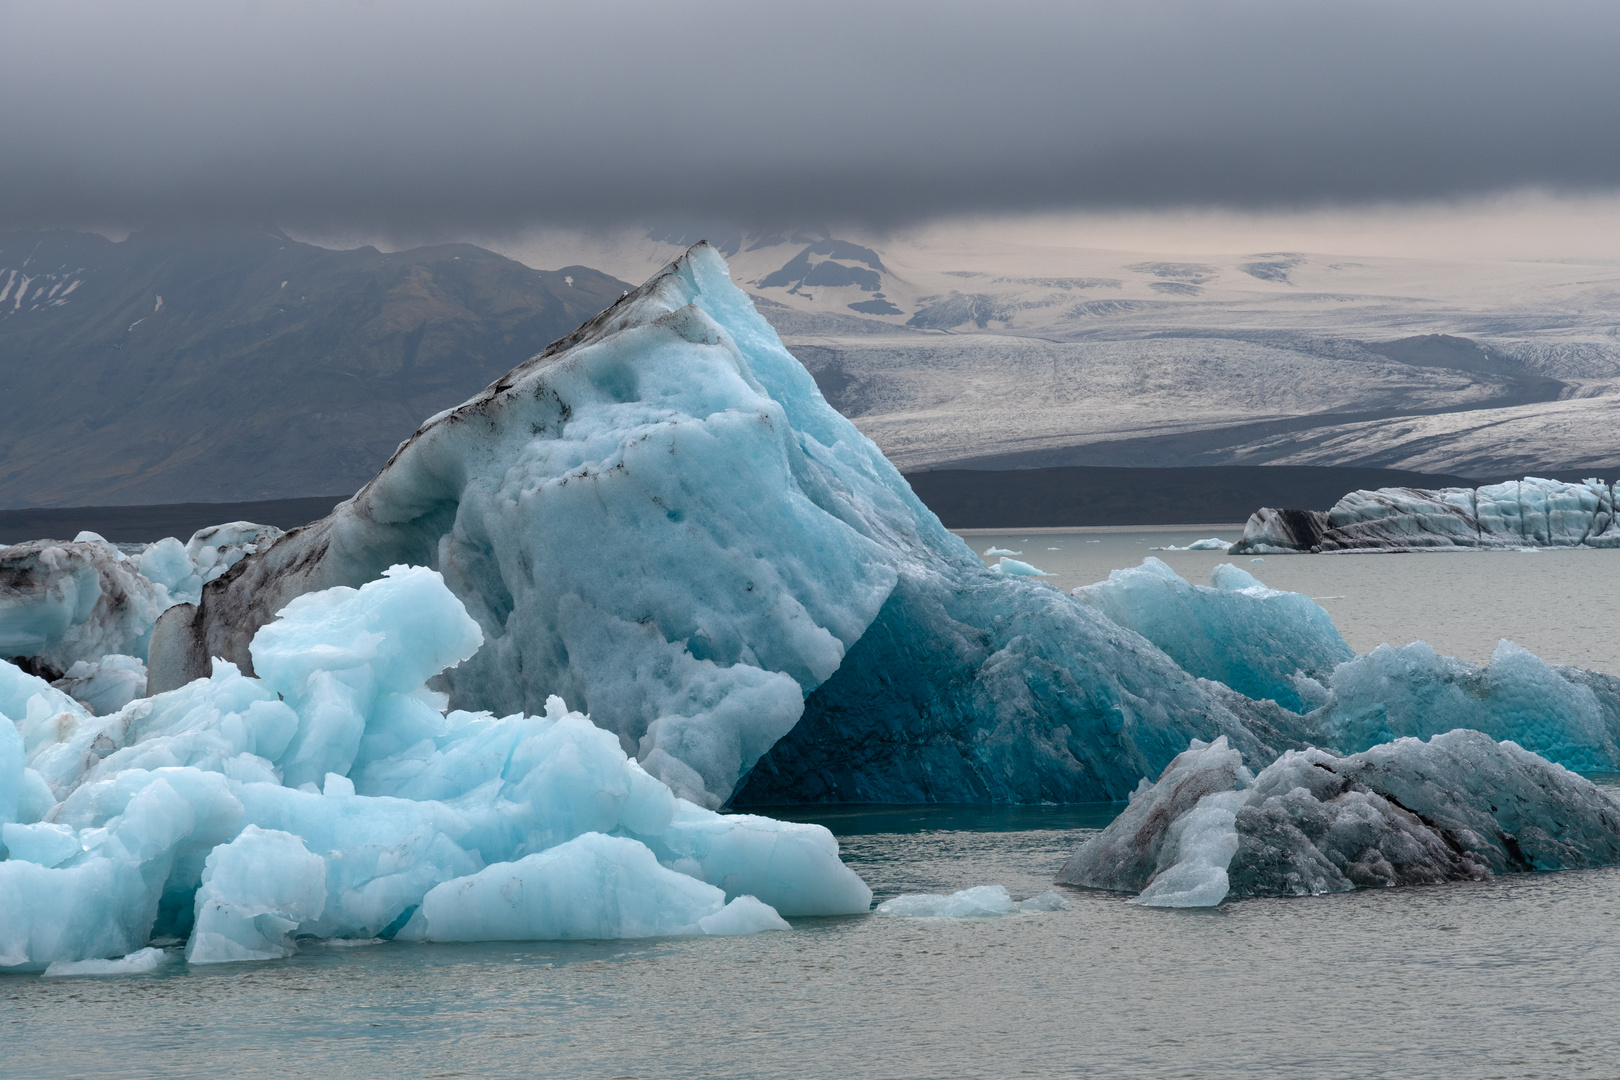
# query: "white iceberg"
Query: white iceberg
{"points": [[221, 813], [1210, 543]]}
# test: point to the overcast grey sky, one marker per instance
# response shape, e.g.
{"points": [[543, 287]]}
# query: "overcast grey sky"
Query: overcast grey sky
{"points": [[485, 115]]}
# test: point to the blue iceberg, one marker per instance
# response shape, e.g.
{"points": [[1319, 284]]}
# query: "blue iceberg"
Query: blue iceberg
{"points": [[661, 520]]}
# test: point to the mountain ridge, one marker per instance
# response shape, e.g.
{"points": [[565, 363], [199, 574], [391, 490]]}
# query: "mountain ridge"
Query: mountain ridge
{"points": [[248, 366]]}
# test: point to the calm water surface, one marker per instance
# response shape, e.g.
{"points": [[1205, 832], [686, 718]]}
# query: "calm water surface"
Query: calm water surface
{"points": [[1518, 977]]}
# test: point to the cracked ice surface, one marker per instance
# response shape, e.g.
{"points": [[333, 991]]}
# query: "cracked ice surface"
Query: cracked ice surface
{"points": [[335, 797]]}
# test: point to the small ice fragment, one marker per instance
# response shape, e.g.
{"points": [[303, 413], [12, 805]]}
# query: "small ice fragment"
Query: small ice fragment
{"points": [[744, 915], [992, 551], [975, 903], [979, 902], [136, 963], [1209, 543], [1016, 568], [1257, 560], [1050, 900]]}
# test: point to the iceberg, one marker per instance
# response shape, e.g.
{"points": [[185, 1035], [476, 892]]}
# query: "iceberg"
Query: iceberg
{"points": [[64, 604], [1528, 513], [1258, 641], [140, 962], [1458, 806], [1565, 714], [662, 520], [333, 796], [1005, 565], [593, 886]]}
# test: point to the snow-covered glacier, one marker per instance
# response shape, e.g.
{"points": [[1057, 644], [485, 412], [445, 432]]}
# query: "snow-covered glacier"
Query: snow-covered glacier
{"points": [[334, 796], [1457, 806], [1520, 513], [662, 520]]}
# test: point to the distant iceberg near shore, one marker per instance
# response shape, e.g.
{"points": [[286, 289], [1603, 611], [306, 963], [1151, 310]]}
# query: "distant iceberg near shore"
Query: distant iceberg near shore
{"points": [[1528, 513]]}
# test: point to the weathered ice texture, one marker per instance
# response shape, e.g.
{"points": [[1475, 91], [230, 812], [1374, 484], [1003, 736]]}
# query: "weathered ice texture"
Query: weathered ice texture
{"points": [[1520, 513], [64, 604], [1458, 806]]}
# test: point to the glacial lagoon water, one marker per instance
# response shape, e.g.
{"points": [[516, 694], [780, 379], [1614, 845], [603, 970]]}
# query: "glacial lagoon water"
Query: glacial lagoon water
{"points": [[1518, 977]]}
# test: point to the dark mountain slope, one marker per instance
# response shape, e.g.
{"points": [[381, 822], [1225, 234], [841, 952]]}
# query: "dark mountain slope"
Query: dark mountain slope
{"points": [[177, 369]]}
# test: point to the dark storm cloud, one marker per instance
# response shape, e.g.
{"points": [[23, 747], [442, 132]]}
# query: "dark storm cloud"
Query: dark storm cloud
{"points": [[482, 114]]}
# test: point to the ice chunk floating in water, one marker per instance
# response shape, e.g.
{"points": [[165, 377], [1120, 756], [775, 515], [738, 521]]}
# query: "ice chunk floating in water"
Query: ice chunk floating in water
{"points": [[982, 901], [1211, 543], [335, 797], [1458, 806], [1018, 569]]}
